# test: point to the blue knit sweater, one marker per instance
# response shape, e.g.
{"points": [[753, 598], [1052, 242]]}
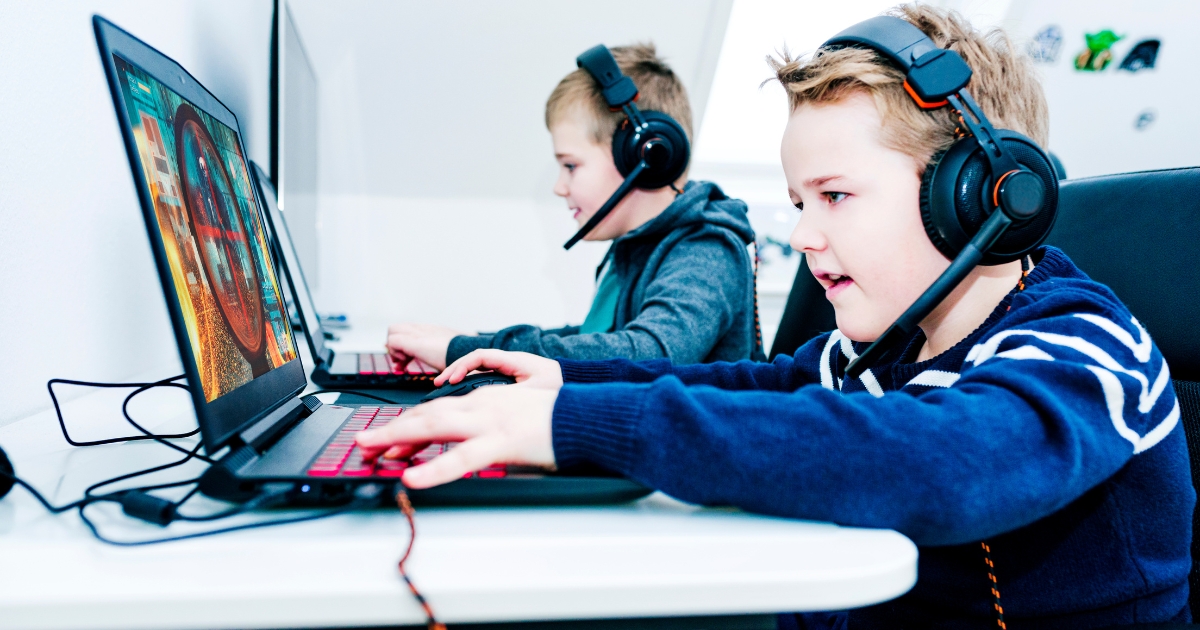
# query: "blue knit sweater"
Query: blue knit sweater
{"points": [[1051, 432]]}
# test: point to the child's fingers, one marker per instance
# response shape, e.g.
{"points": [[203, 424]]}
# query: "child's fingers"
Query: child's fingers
{"points": [[466, 457], [404, 451], [436, 421], [488, 359]]}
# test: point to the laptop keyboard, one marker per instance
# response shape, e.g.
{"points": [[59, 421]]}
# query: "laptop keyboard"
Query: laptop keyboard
{"points": [[381, 364], [342, 457]]}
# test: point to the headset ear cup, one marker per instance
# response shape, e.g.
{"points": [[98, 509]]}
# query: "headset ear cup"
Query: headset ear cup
{"points": [[940, 211], [932, 229], [627, 149], [1022, 238], [956, 198], [624, 148]]}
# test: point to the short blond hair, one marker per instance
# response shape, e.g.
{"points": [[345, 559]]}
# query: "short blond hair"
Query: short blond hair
{"points": [[658, 89], [1003, 83]]}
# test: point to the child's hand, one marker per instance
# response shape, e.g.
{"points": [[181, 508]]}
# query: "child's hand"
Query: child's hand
{"points": [[526, 368], [508, 425], [424, 342]]}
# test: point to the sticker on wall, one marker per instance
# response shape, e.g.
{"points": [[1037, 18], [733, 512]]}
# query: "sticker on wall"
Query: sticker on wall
{"points": [[1098, 53], [1145, 119], [1142, 57], [1045, 44]]}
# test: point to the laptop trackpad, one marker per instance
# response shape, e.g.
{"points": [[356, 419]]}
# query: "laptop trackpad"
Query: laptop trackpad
{"points": [[344, 364], [290, 456]]}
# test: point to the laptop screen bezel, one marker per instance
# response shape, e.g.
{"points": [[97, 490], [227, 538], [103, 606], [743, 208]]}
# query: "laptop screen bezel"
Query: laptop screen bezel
{"points": [[222, 419], [290, 265]]}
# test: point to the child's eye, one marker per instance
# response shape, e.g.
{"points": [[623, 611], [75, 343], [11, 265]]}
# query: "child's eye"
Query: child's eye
{"points": [[570, 167], [835, 197], [799, 205]]}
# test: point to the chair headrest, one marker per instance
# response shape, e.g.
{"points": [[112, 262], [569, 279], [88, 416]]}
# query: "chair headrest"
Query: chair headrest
{"points": [[1139, 233]]}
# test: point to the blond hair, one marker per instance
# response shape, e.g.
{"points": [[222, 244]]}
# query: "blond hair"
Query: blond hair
{"points": [[1003, 84], [658, 89]]}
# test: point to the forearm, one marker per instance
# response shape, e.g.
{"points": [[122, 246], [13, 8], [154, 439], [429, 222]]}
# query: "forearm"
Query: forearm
{"points": [[942, 471], [783, 375], [630, 344]]}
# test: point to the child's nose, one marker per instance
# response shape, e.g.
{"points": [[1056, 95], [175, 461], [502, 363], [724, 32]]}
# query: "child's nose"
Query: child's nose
{"points": [[806, 237]]}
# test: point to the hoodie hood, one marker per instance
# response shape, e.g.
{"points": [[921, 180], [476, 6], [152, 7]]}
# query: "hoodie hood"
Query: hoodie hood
{"points": [[700, 203]]}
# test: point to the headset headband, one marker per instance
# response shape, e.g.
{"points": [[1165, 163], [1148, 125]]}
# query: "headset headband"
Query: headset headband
{"points": [[933, 73], [934, 77], [618, 90]]}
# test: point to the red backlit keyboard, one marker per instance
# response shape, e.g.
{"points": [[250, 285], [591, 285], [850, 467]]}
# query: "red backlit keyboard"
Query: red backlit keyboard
{"points": [[381, 364], [342, 458]]}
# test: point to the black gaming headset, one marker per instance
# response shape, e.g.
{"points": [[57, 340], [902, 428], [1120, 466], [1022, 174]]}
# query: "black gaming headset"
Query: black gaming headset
{"points": [[986, 170], [649, 148]]}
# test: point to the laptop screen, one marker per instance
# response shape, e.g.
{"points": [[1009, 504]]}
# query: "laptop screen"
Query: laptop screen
{"points": [[293, 273], [212, 232]]}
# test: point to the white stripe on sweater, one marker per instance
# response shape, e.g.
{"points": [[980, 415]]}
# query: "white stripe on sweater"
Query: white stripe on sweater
{"points": [[1106, 373], [934, 378], [827, 361]]}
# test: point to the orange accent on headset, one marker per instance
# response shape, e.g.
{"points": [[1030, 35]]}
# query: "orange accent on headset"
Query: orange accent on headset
{"points": [[996, 190], [636, 97], [920, 103]]}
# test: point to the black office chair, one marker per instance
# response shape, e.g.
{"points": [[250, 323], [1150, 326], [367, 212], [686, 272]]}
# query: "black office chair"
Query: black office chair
{"points": [[806, 314], [1139, 233]]}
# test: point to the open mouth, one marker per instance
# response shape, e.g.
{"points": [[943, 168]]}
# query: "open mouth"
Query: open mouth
{"points": [[575, 212], [834, 283]]}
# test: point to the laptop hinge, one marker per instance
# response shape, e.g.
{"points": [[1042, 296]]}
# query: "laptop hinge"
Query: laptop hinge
{"points": [[263, 431]]}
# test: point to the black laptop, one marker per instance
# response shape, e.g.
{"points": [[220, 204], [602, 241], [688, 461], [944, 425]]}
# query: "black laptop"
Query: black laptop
{"points": [[331, 369], [226, 304]]}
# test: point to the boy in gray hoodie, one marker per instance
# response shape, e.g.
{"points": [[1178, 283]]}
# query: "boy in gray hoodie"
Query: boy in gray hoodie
{"points": [[677, 282]]}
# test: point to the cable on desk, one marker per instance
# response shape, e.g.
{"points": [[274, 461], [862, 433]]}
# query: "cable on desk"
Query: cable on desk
{"points": [[138, 389], [365, 496], [406, 508], [153, 469], [87, 499]]}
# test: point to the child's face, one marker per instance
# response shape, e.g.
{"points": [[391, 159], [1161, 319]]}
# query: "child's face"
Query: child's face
{"points": [[587, 175], [860, 227]]}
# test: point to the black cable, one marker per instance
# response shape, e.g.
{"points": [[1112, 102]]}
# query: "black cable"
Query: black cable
{"points": [[190, 494], [53, 509], [146, 471], [262, 500], [365, 501], [87, 499], [139, 388], [161, 438]]}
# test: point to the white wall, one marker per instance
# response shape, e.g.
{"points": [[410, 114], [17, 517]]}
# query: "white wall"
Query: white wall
{"points": [[1093, 114], [79, 294], [435, 165]]}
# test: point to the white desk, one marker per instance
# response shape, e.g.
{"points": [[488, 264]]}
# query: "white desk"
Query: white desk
{"points": [[653, 558]]}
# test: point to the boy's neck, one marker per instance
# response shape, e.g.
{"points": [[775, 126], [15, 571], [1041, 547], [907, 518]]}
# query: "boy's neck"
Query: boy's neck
{"points": [[967, 307], [642, 206]]}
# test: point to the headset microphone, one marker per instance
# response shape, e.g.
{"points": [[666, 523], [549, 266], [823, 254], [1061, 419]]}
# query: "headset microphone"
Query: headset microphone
{"points": [[991, 198], [650, 149], [6, 474]]}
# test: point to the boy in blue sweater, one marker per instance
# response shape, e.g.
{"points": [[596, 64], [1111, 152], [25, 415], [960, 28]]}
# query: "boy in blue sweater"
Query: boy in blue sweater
{"points": [[1030, 413]]}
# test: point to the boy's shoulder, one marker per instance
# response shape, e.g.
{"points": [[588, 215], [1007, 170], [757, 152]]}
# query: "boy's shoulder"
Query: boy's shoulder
{"points": [[1057, 288], [701, 210], [1065, 316]]}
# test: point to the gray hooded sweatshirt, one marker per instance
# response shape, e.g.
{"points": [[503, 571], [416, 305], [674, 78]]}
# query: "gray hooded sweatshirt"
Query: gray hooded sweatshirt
{"points": [[686, 292]]}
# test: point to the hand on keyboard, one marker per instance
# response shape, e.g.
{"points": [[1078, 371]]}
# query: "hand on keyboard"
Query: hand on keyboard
{"points": [[424, 342], [495, 425]]}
